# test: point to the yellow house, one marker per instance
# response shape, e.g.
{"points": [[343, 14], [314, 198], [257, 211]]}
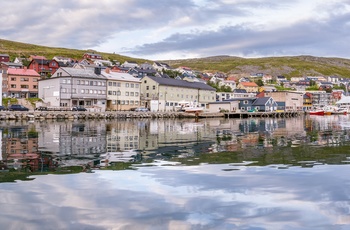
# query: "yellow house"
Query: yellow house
{"points": [[248, 86]]}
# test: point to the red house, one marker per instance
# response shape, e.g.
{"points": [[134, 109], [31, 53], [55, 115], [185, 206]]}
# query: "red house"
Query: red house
{"points": [[44, 67], [92, 56], [4, 58]]}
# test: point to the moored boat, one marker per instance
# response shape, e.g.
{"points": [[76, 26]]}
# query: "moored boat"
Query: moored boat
{"points": [[319, 112]]}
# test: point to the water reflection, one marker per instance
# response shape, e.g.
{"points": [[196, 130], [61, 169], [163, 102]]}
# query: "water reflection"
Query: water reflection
{"points": [[48, 145]]}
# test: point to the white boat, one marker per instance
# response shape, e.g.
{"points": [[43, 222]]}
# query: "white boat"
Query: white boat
{"points": [[189, 107]]}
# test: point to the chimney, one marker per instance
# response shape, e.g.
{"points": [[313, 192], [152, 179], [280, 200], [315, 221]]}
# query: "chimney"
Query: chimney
{"points": [[97, 70], [107, 70]]}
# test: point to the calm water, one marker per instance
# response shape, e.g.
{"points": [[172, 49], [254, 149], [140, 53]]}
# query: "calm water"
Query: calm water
{"points": [[176, 174]]}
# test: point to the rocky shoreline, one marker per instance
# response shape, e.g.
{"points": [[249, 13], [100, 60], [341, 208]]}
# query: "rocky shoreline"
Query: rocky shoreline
{"points": [[70, 115]]}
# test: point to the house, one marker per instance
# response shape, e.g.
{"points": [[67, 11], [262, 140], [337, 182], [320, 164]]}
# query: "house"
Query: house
{"points": [[92, 56], [160, 66], [73, 86], [44, 67], [248, 86], [227, 106], [292, 100], [22, 83], [64, 60], [4, 58], [164, 94], [130, 64], [123, 90], [267, 79], [229, 83], [140, 73], [262, 104]]}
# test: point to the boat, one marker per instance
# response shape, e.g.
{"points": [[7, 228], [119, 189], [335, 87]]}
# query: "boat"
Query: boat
{"points": [[193, 109], [189, 107], [319, 112]]}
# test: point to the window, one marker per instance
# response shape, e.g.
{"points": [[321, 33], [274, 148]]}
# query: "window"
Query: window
{"points": [[35, 86], [24, 79], [245, 102], [132, 94], [127, 85], [154, 87], [147, 87], [13, 79], [78, 82], [109, 92], [110, 83], [136, 85], [136, 94], [82, 91], [24, 86], [132, 85]]}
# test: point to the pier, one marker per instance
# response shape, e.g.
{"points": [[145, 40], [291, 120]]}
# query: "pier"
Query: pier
{"points": [[263, 114]]}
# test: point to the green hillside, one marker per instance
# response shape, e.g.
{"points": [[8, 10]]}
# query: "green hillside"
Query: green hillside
{"points": [[18, 49], [287, 66], [297, 66]]}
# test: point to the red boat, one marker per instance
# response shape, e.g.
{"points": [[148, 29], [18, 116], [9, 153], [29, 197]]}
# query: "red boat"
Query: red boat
{"points": [[319, 112]]}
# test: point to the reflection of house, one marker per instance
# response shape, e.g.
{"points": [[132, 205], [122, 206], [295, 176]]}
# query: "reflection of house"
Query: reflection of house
{"points": [[22, 83], [166, 93], [123, 90]]}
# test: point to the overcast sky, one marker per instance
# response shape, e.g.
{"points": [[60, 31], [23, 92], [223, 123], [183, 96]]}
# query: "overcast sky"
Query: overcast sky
{"points": [[177, 29]]}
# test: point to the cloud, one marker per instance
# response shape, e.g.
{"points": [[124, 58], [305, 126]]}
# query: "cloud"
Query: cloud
{"points": [[304, 37], [186, 28]]}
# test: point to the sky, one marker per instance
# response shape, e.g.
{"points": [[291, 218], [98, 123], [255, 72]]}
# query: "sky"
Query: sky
{"points": [[181, 29]]}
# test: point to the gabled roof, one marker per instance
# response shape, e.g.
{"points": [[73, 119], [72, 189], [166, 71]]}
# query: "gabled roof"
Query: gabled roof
{"points": [[23, 72], [83, 72], [249, 84], [181, 83], [261, 101], [120, 76]]}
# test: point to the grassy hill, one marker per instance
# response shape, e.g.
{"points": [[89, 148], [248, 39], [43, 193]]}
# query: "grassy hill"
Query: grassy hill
{"points": [[287, 66], [18, 49]]}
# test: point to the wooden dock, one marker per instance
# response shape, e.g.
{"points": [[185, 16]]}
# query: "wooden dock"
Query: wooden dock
{"points": [[263, 114]]}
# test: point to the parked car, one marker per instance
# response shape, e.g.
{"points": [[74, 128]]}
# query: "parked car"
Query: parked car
{"points": [[141, 109], [79, 108], [2, 108], [16, 107]]}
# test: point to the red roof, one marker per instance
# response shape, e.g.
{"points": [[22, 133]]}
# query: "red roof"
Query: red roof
{"points": [[23, 72], [249, 84]]}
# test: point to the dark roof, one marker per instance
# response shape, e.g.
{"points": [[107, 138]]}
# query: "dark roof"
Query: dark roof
{"points": [[41, 61], [240, 91], [181, 83], [261, 101]]}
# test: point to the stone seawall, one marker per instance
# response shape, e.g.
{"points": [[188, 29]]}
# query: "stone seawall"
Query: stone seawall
{"points": [[53, 115]]}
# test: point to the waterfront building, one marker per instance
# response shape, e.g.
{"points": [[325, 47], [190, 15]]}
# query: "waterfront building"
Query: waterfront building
{"points": [[70, 87], [123, 90], [22, 83], [292, 100], [164, 94]]}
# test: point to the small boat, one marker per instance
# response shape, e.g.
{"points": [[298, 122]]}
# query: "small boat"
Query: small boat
{"points": [[319, 112]]}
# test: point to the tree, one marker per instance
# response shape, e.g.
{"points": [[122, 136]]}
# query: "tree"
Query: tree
{"points": [[259, 82]]}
